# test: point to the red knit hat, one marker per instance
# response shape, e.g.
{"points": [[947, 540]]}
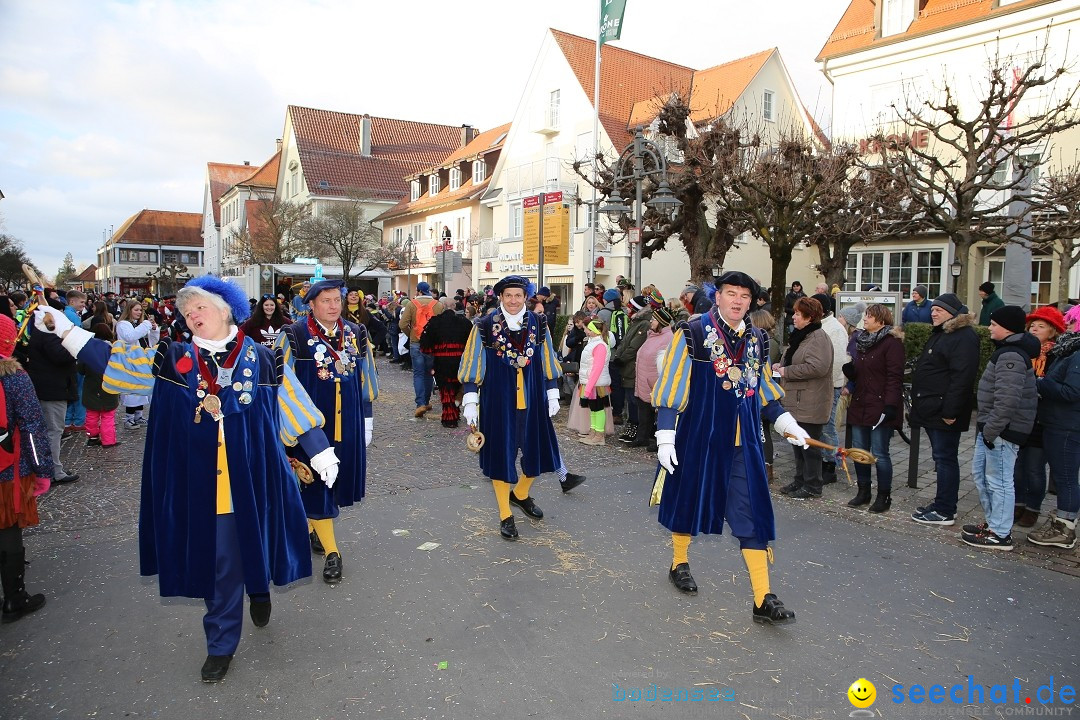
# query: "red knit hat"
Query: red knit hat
{"points": [[9, 332], [1049, 315]]}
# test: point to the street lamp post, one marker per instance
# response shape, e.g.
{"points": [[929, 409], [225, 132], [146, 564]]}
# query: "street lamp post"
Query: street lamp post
{"points": [[663, 201], [955, 268], [410, 258]]}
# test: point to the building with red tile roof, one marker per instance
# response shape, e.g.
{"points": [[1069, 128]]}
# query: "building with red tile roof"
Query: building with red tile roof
{"points": [[146, 241], [259, 185], [220, 177]]}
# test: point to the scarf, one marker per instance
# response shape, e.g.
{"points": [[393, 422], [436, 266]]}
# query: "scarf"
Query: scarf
{"points": [[215, 346], [513, 322], [1066, 345], [797, 336], [867, 340], [1039, 364]]}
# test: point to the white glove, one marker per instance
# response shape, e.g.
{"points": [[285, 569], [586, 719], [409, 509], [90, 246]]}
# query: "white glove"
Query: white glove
{"points": [[369, 425], [60, 321], [787, 425], [553, 402], [665, 450], [469, 407], [326, 464]]}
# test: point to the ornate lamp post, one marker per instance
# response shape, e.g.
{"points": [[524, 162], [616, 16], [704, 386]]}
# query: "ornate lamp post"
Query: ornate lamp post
{"points": [[410, 258], [631, 166]]}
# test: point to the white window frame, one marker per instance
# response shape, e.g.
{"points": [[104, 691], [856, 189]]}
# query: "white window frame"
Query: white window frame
{"points": [[414, 190], [455, 178], [516, 220], [554, 99], [433, 184], [479, 171], [768, 105]]}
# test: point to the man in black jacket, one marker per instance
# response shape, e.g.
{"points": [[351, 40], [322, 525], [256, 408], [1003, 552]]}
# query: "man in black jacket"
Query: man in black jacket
{"points": [[942, 396], [52, 369]]}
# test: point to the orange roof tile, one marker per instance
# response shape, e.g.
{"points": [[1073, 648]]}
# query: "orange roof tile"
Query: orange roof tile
{"points": [[482, 143], [626, 78], [160, 227], [857, 28], [223, 176], [329, 146], [267, 174]]}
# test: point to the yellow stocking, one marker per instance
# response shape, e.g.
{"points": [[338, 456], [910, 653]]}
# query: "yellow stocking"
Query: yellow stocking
{"points": [[325, 530], [521, 490], [502, 496], [681, 542], [757, 563]]}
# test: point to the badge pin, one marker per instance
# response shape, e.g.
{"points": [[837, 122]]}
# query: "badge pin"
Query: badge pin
{"points": [[245, 398]]}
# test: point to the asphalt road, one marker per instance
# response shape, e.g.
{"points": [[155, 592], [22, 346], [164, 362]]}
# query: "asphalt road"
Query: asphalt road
{"points": [[556, 625]]}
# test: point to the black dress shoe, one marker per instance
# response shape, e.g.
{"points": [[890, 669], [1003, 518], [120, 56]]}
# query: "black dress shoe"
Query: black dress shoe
{"points": [[682, 579], [571, 481], [316, 543], [791, 487], [260, 612], [773, 612], [527, 506], [331, 572], [507, 529], [66, 479], [215, 667], [804, 494]]}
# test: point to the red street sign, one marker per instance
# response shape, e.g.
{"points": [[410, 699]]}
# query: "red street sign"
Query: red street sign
{"points": [[554, 197], [531, 202], [534, 200]]}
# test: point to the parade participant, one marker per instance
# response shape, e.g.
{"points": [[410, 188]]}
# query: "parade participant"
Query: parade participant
{"points": [[134, 328], [717, 382], [265, 322], [220, 508], [25, 469], [510, 373], [332, 358], [444, 339], [299, 303]]}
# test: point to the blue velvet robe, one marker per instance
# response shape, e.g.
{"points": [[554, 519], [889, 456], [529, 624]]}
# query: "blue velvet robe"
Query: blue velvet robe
{"points": [[714, 408], [507, 429], [359, 389]]}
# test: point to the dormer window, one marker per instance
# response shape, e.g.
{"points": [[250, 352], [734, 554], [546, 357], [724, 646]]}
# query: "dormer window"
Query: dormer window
{"points": [[433, 184], [455, 178], [414, 190], [479, 171]]}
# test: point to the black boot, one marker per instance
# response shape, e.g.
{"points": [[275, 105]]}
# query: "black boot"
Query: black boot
{"points": [[629, 433], [793, 486], [772, 612], [17, 602], [862, 498], [828, 473], [882, 502]]}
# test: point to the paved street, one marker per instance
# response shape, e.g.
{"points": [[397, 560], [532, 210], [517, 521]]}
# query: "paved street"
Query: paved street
{"points": [[556, 625]]}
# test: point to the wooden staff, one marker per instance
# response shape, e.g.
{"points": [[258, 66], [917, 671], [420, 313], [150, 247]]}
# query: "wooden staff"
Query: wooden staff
{"points": [[38, 289], [859, 455]]}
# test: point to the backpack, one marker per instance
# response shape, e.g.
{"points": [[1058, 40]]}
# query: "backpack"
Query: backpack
{"points": [[424, 311], [619, 320]]}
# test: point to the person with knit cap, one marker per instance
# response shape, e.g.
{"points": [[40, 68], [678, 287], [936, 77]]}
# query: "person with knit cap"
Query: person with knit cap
{"points": [[715, 387], [1029, 476], [1059, 415], [990, 302], [647, 371], [413, 319], [594, 380], [617, 322], [1007, 403], [624, 363], [942, 393], [918, 310], [25, 470], [221, 511], [510, 374], [333, 360]]}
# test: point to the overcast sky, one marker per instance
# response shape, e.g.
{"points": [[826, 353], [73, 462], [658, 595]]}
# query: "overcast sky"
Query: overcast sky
{"points": [[107, 108]]}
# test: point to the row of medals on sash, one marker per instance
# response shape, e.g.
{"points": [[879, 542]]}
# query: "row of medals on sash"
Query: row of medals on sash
{"points": [[211, 403], [344, 364], [505, 347]]}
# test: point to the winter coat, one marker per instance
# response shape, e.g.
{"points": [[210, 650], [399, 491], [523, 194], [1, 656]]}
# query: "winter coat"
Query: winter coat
{"points": [[51, 368], [1059, 390], [808, 388], [587, 362], [916, 313], [93, 396], [23, 412], [624, 358], [648, 368], [879, 382], [989, 304], [1007, 398], [789, 304], [134, 335], [839, 338], [408, 315], [943, 383], [575, 342]]}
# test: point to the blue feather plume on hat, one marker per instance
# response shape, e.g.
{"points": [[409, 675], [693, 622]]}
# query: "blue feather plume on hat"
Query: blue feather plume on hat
{"points": [[233, 295]]}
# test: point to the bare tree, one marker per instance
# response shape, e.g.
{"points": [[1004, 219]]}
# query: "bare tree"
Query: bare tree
{"points": [[958, 159], [1056, 221], [12, 258], [344, 232], [270, 234]]}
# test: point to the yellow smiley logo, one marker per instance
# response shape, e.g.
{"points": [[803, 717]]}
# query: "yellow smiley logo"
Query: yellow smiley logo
{"points": [[862, 693]]}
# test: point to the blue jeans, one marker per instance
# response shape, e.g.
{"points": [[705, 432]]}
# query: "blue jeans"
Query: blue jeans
{"points": [[1062, 448], [876, 440], [828, 433], [992, 470], [1029, 478], [946, 452], [422, 380], [76, 413]]}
